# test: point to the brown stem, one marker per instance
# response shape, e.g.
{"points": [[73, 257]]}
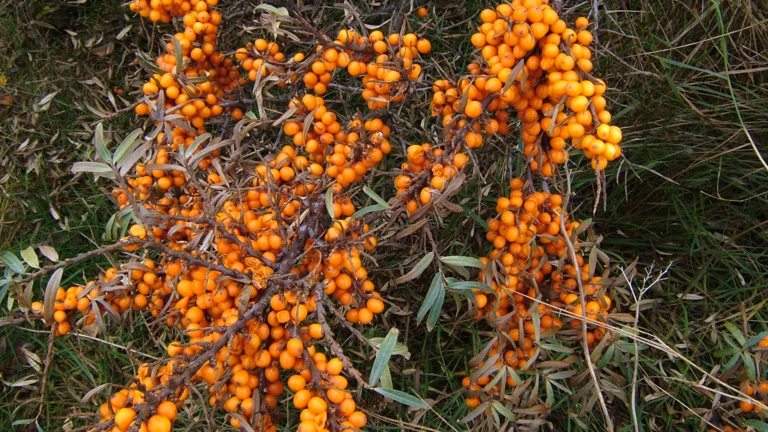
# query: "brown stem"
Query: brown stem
{"points": [[170, 388], [196, 261], [582, 299], [224, 233], [83, 256], [330, 339]]}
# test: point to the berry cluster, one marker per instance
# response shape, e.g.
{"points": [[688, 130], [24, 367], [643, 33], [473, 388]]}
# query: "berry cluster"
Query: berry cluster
{"points": [[347, 153], [751, 390], [528, 259], [165, 10], [243, 259], [532, 61], [195, 88], [260, 57], [425, 163], [186, 95], [248, 276]]}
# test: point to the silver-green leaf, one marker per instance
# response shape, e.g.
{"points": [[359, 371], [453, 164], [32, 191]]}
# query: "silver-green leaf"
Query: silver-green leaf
{"points": [[127, 147], [437, 308], [91, 167], [12, 262], [49, 298], [469, 285], [30, 257], [402, 397], [98, 142], [369, 209], [374, 196], [462, 261], [49, 253], [383, 356], [435, 290], [417, 270], [329, 202]]}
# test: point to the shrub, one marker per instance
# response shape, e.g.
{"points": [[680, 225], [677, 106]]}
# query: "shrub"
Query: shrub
{"points": [[255, 249]]}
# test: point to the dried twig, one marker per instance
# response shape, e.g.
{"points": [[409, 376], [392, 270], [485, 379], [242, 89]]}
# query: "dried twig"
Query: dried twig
{"points": [[585, 345]]}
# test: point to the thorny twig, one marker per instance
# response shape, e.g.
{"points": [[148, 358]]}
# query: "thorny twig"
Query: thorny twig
{"points": [[190, 369], [83, 256], [331, 339]]}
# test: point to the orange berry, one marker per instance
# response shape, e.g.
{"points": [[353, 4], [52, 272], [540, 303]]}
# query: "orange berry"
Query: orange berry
{"points": [[167, 409], [295, 347], [746, 406], [158, 423], [334, 366], [301, 398], [357, 419], [296, 383], [473, 109], [317, 405], [124, 418]]}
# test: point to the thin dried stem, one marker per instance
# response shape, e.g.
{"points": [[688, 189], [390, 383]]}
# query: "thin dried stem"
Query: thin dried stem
{"points": [[585, 344]]}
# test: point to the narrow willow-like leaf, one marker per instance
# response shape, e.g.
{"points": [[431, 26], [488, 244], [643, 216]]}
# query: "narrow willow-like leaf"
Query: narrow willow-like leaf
{"points": [[383, 356], [501, 409], [126, 147], [463, 261], [49, 298], [435, 290], [329, 202], [417, 270], [98, 141], [369, 209], [736, 333], [91, 167], [402, 397], [754, 340], [12, 262], [434, 312], [757, 424], [374, 196], [469, 285], [179, 56], [195, 144]]}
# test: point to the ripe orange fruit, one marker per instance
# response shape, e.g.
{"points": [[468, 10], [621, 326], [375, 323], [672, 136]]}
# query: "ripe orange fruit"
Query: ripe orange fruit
{"points": [[746, 406], [167, 409], [158, 423], [358, 419], [124, 418], [473, 109], [334, 366], [295, 347], [317, 405], [301, 399], [296, 383]]}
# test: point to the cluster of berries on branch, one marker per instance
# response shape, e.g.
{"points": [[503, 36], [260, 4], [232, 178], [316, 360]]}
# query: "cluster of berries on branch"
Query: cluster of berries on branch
{"points": [[247, 277], [530, 235]]}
